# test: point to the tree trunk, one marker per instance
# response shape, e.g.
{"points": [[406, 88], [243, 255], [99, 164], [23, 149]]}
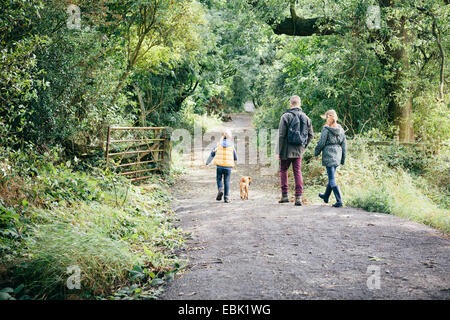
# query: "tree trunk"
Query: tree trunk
{"points": [[141, 104], [437, 35], [404, 120], [401, 110]]}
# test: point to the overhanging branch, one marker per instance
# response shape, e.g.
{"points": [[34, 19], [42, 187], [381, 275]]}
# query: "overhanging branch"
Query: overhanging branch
{"points": [[295, 25], [302, 27]]}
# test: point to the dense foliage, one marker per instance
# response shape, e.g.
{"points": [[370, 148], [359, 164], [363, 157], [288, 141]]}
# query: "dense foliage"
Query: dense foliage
{"points": [[121, 236], [64, 79], [142, 62]]}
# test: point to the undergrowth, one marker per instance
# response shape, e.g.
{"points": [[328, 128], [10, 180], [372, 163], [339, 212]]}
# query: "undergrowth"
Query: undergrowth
{"points": [[53, 218], [404, 181]]}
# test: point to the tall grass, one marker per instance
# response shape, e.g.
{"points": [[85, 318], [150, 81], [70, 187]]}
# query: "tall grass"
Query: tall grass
{"points": [[397, 195], [103, 262], [118, 235], [369, 181]]}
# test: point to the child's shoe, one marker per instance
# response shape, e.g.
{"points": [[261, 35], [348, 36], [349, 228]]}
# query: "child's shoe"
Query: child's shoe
{"points": [[219, 195]]}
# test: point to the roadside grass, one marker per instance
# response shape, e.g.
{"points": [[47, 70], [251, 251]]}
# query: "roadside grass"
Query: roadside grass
{"points": [[120, 236], [398, 195], [368, 181]]}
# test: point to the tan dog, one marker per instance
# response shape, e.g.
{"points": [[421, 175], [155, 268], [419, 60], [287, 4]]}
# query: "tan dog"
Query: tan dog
{"points": [[244, 183]]}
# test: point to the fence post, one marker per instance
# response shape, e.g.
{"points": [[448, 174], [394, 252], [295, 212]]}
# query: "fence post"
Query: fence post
{"points": [[166, 163]]}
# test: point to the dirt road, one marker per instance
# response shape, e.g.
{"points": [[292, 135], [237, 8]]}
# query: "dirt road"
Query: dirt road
{"points": [[259, 249]]}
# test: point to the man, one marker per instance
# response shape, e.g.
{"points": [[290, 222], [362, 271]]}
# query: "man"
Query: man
{"points": [[289, 152]]}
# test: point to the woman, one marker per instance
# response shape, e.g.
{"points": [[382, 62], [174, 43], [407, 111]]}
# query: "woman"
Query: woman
{"points": [[333, 145]]}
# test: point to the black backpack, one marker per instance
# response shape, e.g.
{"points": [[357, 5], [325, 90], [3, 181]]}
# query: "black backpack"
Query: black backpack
{"points": [[298, 130]]}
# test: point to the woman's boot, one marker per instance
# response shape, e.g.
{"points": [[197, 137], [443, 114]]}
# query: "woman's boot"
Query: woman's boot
{"points": [[325, 196], [337, 194]]}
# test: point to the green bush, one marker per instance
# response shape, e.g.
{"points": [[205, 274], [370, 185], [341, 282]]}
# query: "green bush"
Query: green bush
{"points": [[438, 170], [8, 216], [10, 235], [375, 199], [60, 183], [97, 221], [397, 195], [107, 240], [409, 158], [371, 183], [387, 182]]}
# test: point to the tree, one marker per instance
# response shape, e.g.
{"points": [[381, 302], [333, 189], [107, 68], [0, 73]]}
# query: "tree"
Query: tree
{"points": [[146, 25], [19, 77], [64, 86], [395, 38]]}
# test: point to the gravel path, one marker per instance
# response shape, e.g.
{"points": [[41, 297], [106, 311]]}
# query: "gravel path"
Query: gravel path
{"points": [[259, 249]]}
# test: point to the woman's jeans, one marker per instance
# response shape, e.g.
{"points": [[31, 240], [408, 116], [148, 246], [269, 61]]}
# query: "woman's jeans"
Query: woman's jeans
{"points": [[226, 174], [332, 185], [331, 171]]}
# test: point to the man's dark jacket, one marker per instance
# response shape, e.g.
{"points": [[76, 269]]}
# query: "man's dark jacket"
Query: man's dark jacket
{"points": [[284, 149]]}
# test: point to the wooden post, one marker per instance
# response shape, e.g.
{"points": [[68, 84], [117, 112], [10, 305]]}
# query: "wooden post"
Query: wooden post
{"points": [[156, 156], [167, 153]]}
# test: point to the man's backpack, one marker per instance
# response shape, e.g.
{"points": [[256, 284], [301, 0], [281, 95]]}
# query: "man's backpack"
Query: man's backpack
{"points": [[298, 130]]}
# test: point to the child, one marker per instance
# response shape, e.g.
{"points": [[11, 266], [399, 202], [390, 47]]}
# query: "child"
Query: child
{"points": [[333, 145], [224, 156]]}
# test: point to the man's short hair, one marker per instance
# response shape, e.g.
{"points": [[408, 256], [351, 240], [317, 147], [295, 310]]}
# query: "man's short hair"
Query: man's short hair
{"points": [[295, 101]]}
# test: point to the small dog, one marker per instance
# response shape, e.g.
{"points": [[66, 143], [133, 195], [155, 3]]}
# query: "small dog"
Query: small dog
{"points": [[244, 183]]}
